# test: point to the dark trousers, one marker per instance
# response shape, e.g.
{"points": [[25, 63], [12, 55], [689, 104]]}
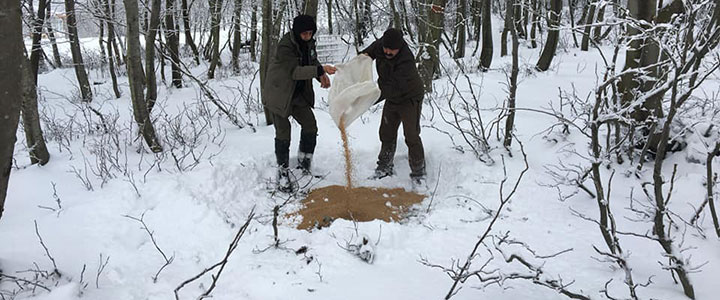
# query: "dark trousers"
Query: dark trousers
{"points": [[407, 114], [308, 135]]}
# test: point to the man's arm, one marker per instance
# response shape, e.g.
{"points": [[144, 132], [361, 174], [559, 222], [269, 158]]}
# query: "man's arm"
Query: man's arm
{"points": [[372, 49], [286, 57]]}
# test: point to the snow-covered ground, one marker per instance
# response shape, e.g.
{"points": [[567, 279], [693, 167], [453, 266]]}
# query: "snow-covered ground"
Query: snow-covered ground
{"points": [[84, 214]]}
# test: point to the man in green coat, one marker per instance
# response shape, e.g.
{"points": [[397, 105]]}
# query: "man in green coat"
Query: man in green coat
{"points": [[288, 91], [400, 84]]}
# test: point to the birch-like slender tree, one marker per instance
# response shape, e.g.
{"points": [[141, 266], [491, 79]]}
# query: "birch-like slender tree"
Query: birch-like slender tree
{"points": [[589, 21], [188, 35], [31, 121], [507, 24], [136, 78], [429, 54], [82, 76], [487, 43], [51, 36], [215, 7], [553, 36], [111, 40], [172, 43], [461, 28], [266, 44], [237, 37], [152, 33], [512, 89], [310, 7], [253, 32], [36, 49], [10, 88]]}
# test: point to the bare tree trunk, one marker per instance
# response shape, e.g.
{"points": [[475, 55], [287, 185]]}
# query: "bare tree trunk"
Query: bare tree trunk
{"points": [[460, 28], [475, 12], [311, 8], [53, 41], [420, 17], [367, 18], [172, 43], [82, 76], [111, 39], [640, 53], [253, 32], [548, 52], [135, 77], [150, 77], [408, 28], [571, 7], [237, 39], [397, 21], [428, 53], [677, 264], [487, 43], [510, 121], [163, 53], [359, 25], [103, 56], [188, 35], [534, 19], [710, 183], [31, 121], [589, 21], [265, 50], [36, 51], [329, 16], [518, 19], [10, 87], [600, 18], [119, 51], [509, 12], [215, 7]]}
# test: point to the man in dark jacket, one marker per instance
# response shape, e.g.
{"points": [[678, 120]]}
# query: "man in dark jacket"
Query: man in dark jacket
{"points": [[401, 87], [288, 91]]}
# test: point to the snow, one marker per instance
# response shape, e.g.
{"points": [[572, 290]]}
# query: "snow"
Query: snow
{"points": [[195, 212]]}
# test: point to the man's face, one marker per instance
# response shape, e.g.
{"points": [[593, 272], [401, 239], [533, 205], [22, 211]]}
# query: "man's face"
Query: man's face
{"points": [[390, 53], [306, 35]]}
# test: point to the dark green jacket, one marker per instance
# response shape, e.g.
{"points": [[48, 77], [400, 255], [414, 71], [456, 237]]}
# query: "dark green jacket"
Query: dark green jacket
{"points": [[283, 72], [398, 78]]}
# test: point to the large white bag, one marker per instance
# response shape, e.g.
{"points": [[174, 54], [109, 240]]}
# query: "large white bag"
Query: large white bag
{"points": [[353, 90]]}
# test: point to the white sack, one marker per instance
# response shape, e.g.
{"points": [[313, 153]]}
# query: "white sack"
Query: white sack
{"points": [[353, 90]]}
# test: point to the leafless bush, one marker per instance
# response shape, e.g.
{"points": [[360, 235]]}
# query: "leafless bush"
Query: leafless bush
{"points": [[221, 264], [465, 115], [151, 234], [461, 272]]}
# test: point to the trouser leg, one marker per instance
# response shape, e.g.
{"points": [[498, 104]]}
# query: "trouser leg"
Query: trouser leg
{"points": [[308, 135], [410, 115], [308, 132], [389, 124], [282, 140]]}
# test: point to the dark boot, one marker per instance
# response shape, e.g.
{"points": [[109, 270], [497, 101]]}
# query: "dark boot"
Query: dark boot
{"points": [[385, 166], [282, 154], [305, 151]]}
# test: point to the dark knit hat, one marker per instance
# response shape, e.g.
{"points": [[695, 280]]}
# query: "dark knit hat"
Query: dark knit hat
{"points": [[393, 39], [303, 23]]}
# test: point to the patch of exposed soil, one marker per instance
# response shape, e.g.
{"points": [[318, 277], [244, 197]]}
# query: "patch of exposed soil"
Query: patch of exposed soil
{"points": [[362, 204]]}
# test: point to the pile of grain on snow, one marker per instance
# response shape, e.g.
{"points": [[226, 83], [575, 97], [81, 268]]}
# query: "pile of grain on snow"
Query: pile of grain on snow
{"points": [[361, 204]]}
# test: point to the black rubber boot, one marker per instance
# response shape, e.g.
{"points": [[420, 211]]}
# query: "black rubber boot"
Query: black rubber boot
{"points": [[282, 155], [305, 151], [385, 166]]}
